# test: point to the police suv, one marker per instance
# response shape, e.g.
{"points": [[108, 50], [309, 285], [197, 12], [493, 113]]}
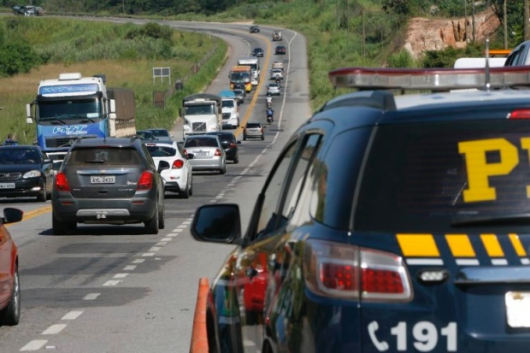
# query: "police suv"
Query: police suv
{"points": [[389, 223]]}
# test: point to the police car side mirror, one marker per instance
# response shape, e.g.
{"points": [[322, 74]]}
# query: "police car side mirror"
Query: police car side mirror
{"points": [[220, 223]]}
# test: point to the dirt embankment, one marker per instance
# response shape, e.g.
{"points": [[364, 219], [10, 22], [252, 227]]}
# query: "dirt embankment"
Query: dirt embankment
{"points": [[435, 34]]}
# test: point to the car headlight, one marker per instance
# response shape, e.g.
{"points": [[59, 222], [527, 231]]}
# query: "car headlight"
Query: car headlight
{"points": [[32, 174]]}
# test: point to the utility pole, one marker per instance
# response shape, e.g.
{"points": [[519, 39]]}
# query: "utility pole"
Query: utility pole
{"points": [[123, 6], [473, 19], [526, 18], [505, 23]]}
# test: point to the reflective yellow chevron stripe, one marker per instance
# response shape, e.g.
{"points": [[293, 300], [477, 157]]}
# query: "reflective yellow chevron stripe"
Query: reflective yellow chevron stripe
{"points": [[517, 245], [460, 245], [492, 245], [418, 245]]}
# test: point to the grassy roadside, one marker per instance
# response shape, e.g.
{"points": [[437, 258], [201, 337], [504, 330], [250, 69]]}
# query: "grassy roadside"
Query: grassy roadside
{"points": [[132, 71]]}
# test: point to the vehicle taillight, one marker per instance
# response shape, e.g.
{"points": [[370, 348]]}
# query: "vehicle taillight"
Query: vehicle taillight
{"points": [[217, 152], [519, 114], [177, 164], [146, 181], [61, 183], [349, 272], [261, 130], [184, 152]]}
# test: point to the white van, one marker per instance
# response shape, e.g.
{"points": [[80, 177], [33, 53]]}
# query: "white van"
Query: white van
{"points": [[230, 112], [478, 63]]}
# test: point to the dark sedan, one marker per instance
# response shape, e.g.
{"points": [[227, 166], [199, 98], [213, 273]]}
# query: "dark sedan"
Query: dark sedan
{"points": [[280, 50], [258, 52], [25, 171], [229, 143]]}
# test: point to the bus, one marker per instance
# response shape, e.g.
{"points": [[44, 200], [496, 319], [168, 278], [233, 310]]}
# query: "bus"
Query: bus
{"points": [[253, 62], [241, 74]]}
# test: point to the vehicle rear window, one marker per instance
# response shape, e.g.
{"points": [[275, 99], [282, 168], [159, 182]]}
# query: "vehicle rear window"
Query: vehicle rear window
{"points": [[105, 156], [252, 125], [437, 176], [201, 142], [161, 151]]}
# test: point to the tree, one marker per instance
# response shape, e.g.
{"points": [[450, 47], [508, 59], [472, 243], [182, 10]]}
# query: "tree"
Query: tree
{"points": [[400, 7]]}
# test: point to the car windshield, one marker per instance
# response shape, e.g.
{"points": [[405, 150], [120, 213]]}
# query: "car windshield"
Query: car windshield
{"points": [[200, 109], [160, 133], [238, 91], [200, 142], [105, 156], [228, 104], [69, 109], [145, 135], [19, 156], [161, 151], [252, 125]]}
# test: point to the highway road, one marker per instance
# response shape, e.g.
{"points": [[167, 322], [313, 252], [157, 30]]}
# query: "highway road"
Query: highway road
{"points": [[115, 289]]}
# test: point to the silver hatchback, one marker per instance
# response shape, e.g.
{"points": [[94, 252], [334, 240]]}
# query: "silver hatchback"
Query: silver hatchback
{"points": [[205, 153]]}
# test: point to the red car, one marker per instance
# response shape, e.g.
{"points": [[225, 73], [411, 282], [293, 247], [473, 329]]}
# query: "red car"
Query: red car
{"points": [[9, 281], [280, 49]]}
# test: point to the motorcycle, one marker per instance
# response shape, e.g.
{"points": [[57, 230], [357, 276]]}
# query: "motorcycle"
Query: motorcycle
{"points": [[269, 119], [269, 104]]}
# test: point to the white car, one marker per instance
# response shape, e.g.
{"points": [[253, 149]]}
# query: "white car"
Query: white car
{"points": [[276, 73], [273, 89], [176, 170]]}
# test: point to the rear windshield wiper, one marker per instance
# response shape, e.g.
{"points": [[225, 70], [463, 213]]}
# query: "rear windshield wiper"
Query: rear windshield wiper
{"points": [[501, 220]]}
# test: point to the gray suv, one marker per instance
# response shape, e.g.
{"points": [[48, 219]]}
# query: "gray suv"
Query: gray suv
{"points": [[107, 181]]}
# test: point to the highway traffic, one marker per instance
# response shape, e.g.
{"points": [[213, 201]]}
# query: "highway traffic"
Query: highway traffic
{"points": [[116, 289]]}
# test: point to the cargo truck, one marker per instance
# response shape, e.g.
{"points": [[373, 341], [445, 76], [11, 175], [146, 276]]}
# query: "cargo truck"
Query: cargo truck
{"points": [[73, 107], [201, 113]]}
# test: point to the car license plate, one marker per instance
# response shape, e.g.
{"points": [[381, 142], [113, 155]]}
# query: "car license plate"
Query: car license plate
{"points": [[201, 154], [109, 179], [7, 185], [518, 309]]}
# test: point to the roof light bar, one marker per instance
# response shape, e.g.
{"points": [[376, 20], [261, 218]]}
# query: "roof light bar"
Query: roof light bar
{"points": [[429, 79]]}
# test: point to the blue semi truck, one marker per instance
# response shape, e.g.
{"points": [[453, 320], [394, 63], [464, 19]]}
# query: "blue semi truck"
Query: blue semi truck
{"points": [[73, 107]]}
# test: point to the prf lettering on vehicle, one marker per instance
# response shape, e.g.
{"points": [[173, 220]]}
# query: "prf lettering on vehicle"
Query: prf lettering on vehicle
{"points": [[70, 130], [479, 169]]}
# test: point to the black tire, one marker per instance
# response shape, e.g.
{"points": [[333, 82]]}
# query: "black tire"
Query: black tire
{"points": [[223, 171], [43, 195], [162, 218], [185, 194], [236, 160], [10, 315], [262, 137], [151, 226], [244, 138], [190, 191], [62, 228]]}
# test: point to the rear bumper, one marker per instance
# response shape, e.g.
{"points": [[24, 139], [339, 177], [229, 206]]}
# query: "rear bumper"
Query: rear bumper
{"points": [[104, 211], [207, 164]]}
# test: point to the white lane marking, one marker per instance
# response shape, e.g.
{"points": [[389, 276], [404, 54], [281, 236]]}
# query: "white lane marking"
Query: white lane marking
{"points": [[186, 222], [138, 261], [72, 315], [129, 268], [219, 196], [111, 283], [155, 248], [147, 254], [212, 201], [91, 296], [54, 329], [182, 226], [161, 243], [179, 230], [171, 235], [467, 262], [525, 261], [34, 345], [120, 275], [165, 239]]}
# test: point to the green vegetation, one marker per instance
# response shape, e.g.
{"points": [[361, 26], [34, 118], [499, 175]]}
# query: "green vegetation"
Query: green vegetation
{"points": [[125, 53]]}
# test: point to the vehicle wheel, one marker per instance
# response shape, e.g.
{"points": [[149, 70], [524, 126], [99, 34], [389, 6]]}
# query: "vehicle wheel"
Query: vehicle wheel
{"points": [[185, 193], [236, 160], [151, 226], [62, 228], [223, 171], [244, 138], [11, 313], [43, 195], [262, 137], [161, 218], [190, 191]]}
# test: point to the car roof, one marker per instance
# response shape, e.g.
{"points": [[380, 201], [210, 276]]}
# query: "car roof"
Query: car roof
{"points": [[106, 141]]}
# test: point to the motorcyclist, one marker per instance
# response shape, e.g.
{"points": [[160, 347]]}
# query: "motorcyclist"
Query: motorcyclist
{"points": [[278, 80], [270, 114], [269, 101]]}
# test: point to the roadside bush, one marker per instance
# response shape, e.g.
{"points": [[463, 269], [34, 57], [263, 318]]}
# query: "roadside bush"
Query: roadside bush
{"points": [[448, 56], [17, 56], [403, 59]]}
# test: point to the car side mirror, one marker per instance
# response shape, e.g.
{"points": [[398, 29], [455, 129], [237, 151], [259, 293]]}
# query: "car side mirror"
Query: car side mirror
{"points": [[162, 165], [46, 161], [12, 215], [220, 223], [190, 156]]}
